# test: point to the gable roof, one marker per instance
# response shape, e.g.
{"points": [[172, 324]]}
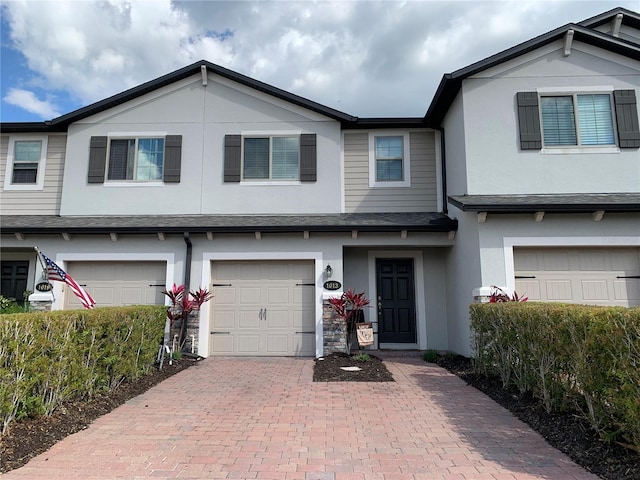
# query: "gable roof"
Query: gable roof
{"points": [[451, 82], [61, 123]]}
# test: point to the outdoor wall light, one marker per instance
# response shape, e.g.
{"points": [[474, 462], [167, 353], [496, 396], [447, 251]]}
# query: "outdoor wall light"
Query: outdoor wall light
{"points": [[328, 271]]}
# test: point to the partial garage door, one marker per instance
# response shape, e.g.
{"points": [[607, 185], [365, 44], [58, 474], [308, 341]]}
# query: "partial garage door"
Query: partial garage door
{"points": [[263, 308], [118, 283], [593, 276]]}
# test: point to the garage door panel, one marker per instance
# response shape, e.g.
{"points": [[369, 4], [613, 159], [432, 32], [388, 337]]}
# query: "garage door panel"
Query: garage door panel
{"points": [[269, 304], [248, 344], [249, 295], [627, 290], [598, 276], [594, 290], [277, 344], [277, 319], [224, 320], [223, 344], [248, 319], [131, 296], [276, 295]]}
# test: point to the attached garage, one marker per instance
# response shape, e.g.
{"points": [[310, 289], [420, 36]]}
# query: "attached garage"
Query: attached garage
{"points": [[262, 308], [118, 283], [594, 276]]}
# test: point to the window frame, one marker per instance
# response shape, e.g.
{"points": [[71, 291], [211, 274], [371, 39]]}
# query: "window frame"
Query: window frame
{"points": [[8, 177], [134, 136], [269, 135], [406, 160], [579, 147]]}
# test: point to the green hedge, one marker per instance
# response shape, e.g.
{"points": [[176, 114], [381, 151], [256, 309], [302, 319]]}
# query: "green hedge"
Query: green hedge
{"points": [[49, 357], [569, 356]]}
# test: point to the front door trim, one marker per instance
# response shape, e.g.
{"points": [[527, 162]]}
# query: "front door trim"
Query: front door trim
{"points": [[418, 272]]}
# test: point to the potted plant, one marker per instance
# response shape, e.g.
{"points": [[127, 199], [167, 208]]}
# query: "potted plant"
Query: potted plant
{"points": [[348, 307]]}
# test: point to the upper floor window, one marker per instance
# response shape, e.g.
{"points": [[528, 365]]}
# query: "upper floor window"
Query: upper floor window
{"points": [[271, 158], [389, 156], [577, 120], [151, 157], [140, 159], [281, 157], [25, 163], [389, 159]]}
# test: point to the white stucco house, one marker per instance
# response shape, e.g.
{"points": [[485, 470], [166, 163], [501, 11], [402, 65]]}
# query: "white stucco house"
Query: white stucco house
{"points": [[524, 173]]}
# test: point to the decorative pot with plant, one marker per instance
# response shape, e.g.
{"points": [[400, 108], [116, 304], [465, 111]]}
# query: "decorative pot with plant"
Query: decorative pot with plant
{"points": [[348, 307], [181, 306]]}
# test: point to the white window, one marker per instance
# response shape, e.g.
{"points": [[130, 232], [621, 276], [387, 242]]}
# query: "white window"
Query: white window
{"points": [[140, 159], [579, 119], [271, 158], [26, 158], [389, 159]]}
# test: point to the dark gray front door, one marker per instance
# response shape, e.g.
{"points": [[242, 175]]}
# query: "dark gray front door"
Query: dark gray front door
{"points": [[396, 300], [14, 279]]}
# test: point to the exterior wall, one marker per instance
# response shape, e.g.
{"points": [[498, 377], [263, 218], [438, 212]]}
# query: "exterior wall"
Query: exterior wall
{"points": [[420, 196], [495, 163], [463, 274], [35, 202], [455, 145], [203, 115]]}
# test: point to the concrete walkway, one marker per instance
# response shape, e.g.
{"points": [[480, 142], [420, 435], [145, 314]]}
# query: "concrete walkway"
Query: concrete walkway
{"points": [[264, 418]]}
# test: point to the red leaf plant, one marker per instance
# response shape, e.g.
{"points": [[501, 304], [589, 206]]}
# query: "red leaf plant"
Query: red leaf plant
{"points": [[498, 295], [347, 308], [182, 305]]}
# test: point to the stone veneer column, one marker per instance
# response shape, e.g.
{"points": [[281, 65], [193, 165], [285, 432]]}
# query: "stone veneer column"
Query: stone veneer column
{"points": [[334, 331]]}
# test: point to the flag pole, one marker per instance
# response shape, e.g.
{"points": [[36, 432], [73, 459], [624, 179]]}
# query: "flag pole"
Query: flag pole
{"points": [[45, 272]]}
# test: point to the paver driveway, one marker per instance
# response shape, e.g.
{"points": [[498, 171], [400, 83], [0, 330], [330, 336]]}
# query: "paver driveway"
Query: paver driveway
{"points": [[265, 418]]}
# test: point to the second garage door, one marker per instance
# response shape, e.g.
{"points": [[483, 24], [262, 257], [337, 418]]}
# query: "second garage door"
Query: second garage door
{"points": [[593, 276], [263, 308], [118, 283]]}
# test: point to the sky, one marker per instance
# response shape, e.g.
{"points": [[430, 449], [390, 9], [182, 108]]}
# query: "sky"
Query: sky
{"points": [[365, 58]]}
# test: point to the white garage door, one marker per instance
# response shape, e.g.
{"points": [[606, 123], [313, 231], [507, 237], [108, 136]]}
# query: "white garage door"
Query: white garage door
{"points": [[263, 308], [593, 276], [118, 283]]}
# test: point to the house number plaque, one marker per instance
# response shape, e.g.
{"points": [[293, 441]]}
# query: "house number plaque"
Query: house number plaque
{"points": [[332, 285], [44, 287]]}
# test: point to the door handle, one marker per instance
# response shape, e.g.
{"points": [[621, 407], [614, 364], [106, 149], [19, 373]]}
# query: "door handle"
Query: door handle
{"points": [[264, 315], [260, 314]]}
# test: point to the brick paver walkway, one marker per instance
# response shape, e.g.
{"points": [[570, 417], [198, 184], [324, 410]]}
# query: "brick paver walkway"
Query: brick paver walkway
{"points": [[264, 418]]}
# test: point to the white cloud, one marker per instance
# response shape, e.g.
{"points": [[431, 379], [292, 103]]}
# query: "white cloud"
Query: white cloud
{"points": [[367, 58], [29, 102]]}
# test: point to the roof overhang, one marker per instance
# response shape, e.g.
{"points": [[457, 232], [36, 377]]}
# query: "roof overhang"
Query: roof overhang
{"points": [[329, 223], [567, 203]]}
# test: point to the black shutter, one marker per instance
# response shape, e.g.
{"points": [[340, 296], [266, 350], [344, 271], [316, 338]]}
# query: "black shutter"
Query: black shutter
{"points": [[97, 159], [529, 121], [308, 156], [172, 158], [232, 158], [627, 118]]}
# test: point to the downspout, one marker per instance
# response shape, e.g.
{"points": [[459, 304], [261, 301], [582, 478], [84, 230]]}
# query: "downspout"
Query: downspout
{"points": [[187, 277], [187, 261], [443, 168]]}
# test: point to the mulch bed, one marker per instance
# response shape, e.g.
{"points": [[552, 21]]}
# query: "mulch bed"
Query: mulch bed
{"points": [[371, 369]]}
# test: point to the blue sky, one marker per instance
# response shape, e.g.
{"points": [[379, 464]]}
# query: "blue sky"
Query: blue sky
{"points": [[366, 58]]}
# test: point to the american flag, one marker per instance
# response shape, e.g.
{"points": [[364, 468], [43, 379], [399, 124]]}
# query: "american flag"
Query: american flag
{"points": [[54, 272]]}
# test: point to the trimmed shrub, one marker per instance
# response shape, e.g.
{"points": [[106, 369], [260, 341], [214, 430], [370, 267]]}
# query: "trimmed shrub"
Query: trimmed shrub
{"points": [[575, 356], [49, 357]]}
